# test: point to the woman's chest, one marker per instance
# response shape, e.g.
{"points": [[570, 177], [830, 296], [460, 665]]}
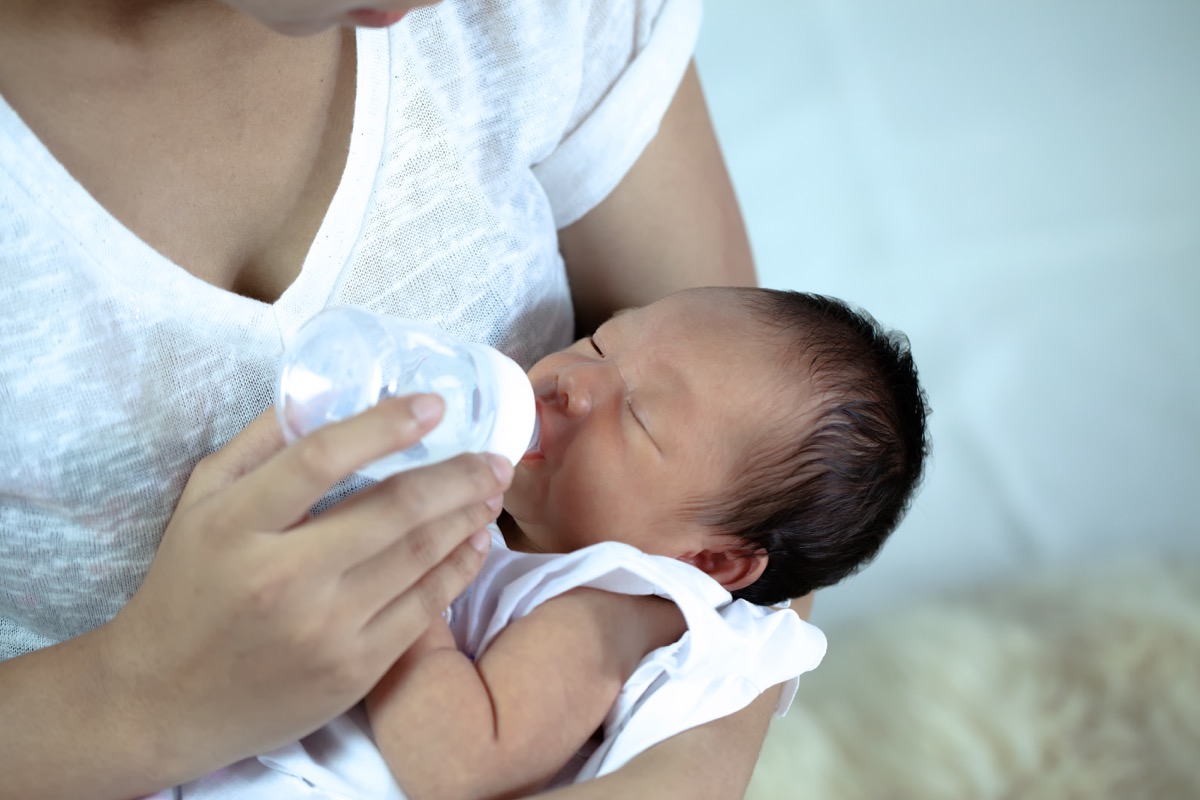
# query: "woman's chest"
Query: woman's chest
{"points": [[223, 165]]}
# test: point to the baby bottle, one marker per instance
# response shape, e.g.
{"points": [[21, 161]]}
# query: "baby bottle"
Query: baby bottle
{"points": [[345, 360]]}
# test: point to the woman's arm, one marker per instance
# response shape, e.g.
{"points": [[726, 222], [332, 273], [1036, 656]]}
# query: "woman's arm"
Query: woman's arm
{"points": [[711, 762], [672, 223]]}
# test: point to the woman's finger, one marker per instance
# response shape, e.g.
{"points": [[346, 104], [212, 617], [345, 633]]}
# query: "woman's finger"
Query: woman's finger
{"points": [[376, 582], [376, 519], [400, 622], [246, 451], [279, 493]]}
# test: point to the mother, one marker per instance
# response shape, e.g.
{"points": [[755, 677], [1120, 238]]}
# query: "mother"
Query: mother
{"points": [[181, 185]]}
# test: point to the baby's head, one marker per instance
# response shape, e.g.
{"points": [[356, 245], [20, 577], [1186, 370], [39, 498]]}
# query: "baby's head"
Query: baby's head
{"points": [[821, 495], [773, 439]]}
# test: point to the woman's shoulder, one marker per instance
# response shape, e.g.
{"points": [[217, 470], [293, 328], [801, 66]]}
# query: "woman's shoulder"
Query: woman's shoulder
{"points": [[538, 65]]}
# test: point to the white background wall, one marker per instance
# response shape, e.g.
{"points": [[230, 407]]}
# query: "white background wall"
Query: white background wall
{"points": [[1017, 186]]}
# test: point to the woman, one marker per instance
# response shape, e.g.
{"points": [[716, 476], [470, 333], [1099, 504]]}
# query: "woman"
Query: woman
{"points": [[182, 185]]}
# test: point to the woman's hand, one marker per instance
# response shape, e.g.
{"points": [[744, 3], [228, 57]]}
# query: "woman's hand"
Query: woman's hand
{"points": [[256, 624]]}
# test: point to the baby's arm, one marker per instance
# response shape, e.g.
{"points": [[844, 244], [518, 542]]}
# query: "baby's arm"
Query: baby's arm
{"points": [[505, 725]]}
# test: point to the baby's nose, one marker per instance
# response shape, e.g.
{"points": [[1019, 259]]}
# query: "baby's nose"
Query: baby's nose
{"points": [[574, 394]]}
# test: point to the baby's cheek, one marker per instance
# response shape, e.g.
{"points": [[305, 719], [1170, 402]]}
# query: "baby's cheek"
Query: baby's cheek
{"points": [[605, 514]]}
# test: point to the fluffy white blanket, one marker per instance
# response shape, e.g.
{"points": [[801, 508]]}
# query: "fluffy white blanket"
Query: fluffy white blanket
{"points": [[1075, 685]]}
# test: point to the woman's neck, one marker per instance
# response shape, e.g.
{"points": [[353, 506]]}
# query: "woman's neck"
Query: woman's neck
{"points": [[145, 22]]}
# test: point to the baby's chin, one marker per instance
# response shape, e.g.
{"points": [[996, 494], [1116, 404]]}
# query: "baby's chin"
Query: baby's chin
{"points": [[526, 487], [520, 498]]}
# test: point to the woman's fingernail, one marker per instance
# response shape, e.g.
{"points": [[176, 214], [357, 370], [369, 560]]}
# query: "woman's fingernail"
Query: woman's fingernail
{"points": [[495, 503], [425, 407], [481, 540], [500, 466]]}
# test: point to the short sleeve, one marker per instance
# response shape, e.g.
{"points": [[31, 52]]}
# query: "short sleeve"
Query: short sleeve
{"points": [[634, 57]]}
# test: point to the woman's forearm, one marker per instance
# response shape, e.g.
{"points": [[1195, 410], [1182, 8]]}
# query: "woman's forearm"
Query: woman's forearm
{"points": [[69, 727], [711, 762]]}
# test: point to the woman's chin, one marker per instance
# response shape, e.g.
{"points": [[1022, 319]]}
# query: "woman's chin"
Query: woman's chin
{"points": [[374, 18]]}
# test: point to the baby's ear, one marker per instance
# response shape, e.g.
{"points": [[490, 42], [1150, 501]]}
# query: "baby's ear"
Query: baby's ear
{"points": [[733, 568]]}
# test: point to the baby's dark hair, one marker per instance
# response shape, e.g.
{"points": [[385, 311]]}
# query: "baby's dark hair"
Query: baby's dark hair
{"points": [[822, 505]]}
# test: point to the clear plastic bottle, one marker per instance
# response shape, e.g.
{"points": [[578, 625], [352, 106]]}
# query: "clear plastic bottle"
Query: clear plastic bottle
{"points": [[346, 360]]}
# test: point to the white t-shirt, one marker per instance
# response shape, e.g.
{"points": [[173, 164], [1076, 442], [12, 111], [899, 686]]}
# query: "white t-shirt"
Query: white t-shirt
{"points": [[480, 126], [732, 652]]}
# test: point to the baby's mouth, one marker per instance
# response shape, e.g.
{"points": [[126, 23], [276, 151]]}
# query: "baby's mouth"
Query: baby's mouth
{"points": [[534, 451]]}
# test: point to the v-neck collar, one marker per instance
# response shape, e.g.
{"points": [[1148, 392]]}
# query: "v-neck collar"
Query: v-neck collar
{"points": [[114, 249]]}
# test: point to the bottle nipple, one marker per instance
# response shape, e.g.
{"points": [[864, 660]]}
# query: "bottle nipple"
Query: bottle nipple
{"points": [[535, 438]]}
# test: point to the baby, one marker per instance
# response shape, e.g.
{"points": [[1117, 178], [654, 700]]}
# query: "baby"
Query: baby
{"points": [[701, 458], [770, 440]]}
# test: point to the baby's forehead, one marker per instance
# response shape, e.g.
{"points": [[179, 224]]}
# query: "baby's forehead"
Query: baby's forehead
{"points": [[777, 402]]}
